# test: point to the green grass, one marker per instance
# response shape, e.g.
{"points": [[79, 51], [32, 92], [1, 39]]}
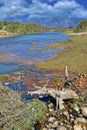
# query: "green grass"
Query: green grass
{"points": [[17, 114], [32, 49], [34, 112], [75, 57], [4, 77]]}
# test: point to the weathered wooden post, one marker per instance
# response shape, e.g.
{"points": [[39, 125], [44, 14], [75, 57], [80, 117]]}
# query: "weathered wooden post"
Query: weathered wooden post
{"points": [[66, 72]]}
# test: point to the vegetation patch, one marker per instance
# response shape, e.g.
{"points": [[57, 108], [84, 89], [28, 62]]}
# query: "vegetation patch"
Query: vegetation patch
{"points": [[66, 45], [75, 56], [4, 77], [82, 27], [8, 29], [34, 112], [14, 114], [32, 49]]}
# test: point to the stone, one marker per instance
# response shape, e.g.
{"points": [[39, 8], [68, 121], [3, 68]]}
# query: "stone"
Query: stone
{"points": [[84, 128], [80, 115], [55, 124], [51, 110], [47, 126], [51, 119], [71, 115], [71, 119], [84, 111], [47, 114], [50, 124], [80, 119], [65, 121], [77, 127], [65, 113], [50, 105], [44, 128], [69, 127], [76, 109], [61, 123], [51, 129], [68, 118], [61, 128]]}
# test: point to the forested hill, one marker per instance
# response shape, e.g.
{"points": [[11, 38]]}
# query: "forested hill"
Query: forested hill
{"points": [[17, 28], [82, 27], [24, 28]]}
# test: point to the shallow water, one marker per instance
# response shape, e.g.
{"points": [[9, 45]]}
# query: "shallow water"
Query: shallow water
{"points": [[7, 68], [29, 48]]}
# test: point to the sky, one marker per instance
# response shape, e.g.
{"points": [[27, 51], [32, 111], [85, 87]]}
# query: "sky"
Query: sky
{"points": [[26, 9]]}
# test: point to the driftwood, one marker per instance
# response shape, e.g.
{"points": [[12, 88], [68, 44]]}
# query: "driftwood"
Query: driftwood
{"points": [[59, 95]]}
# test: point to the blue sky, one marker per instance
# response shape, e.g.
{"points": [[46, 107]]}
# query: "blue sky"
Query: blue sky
{"points": [[21, 9]]}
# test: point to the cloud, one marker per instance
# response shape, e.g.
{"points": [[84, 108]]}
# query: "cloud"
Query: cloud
{"points": [[66, 4], [79, 12], [41, 8], [13, 8]]}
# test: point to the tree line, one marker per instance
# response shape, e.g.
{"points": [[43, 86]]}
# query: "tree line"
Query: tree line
{"points": [[25, 28], [82, 27]]}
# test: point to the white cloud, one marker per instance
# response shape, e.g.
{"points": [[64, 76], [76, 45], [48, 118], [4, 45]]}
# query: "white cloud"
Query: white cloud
{"points": [[69, 8], [79, 12], [12, 9], [66, 4], [61, 7]]}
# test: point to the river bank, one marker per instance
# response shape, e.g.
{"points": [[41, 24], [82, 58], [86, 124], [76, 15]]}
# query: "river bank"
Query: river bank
{"points": [[72, 116], [30, 49], [74, 56], [5, 34]]}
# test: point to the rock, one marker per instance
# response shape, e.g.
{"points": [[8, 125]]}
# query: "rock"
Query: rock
{"points": [[69, 127], [61, 128], [61, 123], [51, 119], [84, 111], [50, 105], [81, 120], [51, 129], [47, 126], [80, 115], [65, 121], [65, 113], [51, 110], [77, 127], [50, 124], [47, 114], [71, 115], [44, 128], [76, 109], [84, 128], [68, 118], [55, 124], [61, 113], [71, 119]]}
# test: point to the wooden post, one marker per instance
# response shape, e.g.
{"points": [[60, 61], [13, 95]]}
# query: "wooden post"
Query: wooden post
{"points": [[66, 72]]}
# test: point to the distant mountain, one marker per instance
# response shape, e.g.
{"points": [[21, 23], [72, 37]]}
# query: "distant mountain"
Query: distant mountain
{"points": [[55, 22]]}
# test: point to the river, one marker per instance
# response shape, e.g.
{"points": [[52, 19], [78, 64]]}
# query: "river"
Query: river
{"points": [[28, 49]]}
